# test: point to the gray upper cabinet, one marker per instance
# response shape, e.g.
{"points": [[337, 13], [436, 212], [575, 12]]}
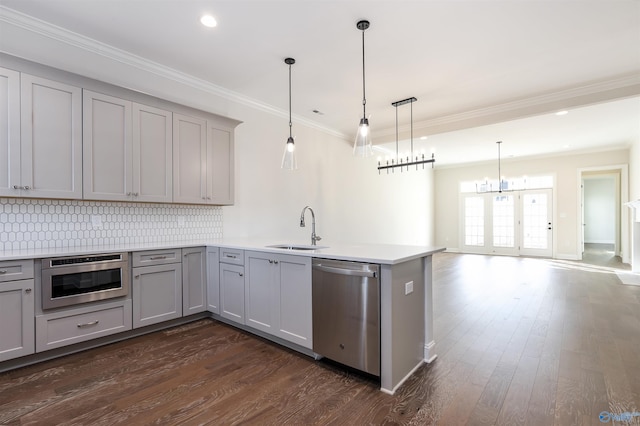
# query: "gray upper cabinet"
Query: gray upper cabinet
{"points": [[152, 161], [202, 161], [127, 150], [220, 169], [41, 137], [77, 138], [189, 159], [9, 131]]}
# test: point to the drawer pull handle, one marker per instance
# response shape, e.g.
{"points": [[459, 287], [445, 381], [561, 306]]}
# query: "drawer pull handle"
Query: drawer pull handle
{"points": [[3, 272], [231, 256], [157, 257], [88, 324]]}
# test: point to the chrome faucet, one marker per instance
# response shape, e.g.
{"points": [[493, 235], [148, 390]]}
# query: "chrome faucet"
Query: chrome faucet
{"points": [[314, 237]]}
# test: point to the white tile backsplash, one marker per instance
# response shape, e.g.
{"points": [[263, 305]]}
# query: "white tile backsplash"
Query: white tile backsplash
{"points": [[34, 223]]}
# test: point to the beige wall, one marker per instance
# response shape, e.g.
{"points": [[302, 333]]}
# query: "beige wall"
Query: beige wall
{"points": [[566, 210]]}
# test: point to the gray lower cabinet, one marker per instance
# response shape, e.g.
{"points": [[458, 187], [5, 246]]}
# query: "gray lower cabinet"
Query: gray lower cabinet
{"points": [[232, 285], [69, 326], [194, 280], [213, 280], [156, 287], [17, 333], [278, 296]]}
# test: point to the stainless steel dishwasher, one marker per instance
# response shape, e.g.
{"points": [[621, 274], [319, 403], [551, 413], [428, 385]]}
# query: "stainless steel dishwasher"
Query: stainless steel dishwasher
{"points": [[346, 313]]}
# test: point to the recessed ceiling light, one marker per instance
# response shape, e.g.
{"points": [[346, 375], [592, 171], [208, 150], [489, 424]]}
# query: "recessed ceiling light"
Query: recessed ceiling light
{"points": [[208, 21], [423, 138], [563, 112]]}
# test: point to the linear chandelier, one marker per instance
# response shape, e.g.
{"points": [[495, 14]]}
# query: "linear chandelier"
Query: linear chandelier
{"points": [[410, 160], [502, 185]]}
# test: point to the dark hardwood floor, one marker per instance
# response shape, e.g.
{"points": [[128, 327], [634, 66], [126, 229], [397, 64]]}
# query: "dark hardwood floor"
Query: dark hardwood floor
{"points": [[519, 341]]}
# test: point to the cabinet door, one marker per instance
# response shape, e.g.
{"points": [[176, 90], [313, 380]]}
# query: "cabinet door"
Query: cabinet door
{"points": [[220, 170], [107, 148], [17, 316], [152, 151], [157, 294], [261, 298], [9, 132], [213, 280], [189, 159], [51, 139], [295, 315], [194, 296], [232, 292]]}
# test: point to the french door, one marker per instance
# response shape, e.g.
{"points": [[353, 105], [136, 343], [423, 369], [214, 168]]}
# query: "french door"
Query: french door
{"points": [[508, 223]]}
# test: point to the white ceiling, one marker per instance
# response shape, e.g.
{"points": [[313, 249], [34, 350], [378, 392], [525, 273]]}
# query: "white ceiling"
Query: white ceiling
{"points": [[495, 68]]}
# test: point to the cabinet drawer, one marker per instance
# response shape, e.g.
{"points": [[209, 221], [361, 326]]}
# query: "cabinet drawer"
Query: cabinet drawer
{"points": [[78, 325], [233, 256], [12, 270], [156, 257]]}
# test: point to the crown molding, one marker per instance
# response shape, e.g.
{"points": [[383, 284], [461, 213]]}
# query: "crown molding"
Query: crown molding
{"points": [[622, 86], [54, 32]]}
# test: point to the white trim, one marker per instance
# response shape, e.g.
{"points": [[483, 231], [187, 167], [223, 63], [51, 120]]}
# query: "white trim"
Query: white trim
{"points": [[429, 355], [395, 388], [95, 47]]}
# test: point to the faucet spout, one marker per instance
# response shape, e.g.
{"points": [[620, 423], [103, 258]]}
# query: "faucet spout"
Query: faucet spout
{"points": [[314, 237]]}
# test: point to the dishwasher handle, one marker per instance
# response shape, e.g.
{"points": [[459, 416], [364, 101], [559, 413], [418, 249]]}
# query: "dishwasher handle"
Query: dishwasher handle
{"points": [[343, 271]]}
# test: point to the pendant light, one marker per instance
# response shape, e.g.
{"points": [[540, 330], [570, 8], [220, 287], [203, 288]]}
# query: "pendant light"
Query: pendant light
{"points": [[362, 146], [411, 159], [487, 187], [289, 157]]}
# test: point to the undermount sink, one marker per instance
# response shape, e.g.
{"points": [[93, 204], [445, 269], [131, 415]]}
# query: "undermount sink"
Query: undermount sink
{"points": [[297, 247]]}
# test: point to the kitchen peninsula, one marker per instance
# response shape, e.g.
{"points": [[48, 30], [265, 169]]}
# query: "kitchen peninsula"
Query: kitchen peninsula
{"points": [[406, 303]]}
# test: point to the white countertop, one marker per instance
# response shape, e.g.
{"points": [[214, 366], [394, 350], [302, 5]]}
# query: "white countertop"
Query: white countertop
{"points": [[373, 253]]}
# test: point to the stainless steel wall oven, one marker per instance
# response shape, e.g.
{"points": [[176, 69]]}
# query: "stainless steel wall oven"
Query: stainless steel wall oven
{"points": [[68, 281]]}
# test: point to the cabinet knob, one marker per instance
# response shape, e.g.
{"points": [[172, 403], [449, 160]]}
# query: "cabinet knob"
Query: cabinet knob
{"points": [[26, 187], [275, 261], [128, 194], [136, 276], [135, 194], [241, 274], [27, 290], [3, 272], [16, 187]]}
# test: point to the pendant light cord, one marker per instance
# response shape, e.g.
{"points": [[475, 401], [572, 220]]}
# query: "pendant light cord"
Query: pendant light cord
{"points": [[499, 171], [364, 98], [411, 129], [290, 101]]}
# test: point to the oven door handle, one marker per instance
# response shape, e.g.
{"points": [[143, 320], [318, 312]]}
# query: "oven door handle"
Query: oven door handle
{"points": [[88, 324]]}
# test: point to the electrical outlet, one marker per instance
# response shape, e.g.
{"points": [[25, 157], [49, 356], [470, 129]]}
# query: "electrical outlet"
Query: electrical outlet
{"points": [[408, 288]]}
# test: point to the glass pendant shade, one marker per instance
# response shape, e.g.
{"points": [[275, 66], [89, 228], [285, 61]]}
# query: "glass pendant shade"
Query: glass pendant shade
{"points": [[362, 146], [289, 161]]}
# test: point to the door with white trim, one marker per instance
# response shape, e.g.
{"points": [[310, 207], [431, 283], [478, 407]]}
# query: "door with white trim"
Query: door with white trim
{"points": [[536, 226]]}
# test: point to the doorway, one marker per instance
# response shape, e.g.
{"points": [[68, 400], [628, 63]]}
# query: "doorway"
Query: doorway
{"points": [[603, 191]]}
